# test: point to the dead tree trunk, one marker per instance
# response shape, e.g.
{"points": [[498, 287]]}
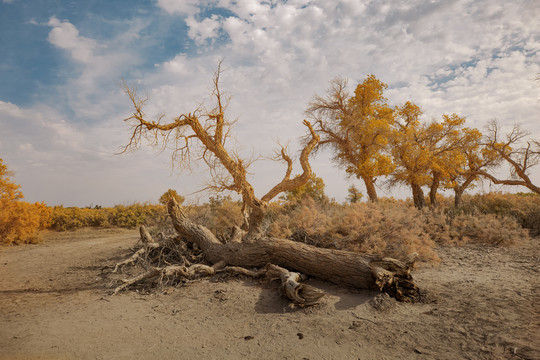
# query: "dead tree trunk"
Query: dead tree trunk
{"points": [[359, 270]]}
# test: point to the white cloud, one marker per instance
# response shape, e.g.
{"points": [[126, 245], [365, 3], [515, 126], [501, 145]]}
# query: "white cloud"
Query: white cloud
{"points": [[183, 7], [278, 56], [99, 67], [475, 58], [200, 31], [65, 36], [62, 163], [178, 65]]}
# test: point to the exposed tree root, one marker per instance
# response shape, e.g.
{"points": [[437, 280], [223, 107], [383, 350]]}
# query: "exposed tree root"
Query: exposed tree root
{"points": [[292, 288], [136, 256], [300, 294], [169, 271]]}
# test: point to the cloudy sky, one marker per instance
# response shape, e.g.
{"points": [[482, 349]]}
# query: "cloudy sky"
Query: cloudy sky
{"points": [[62, 65]]}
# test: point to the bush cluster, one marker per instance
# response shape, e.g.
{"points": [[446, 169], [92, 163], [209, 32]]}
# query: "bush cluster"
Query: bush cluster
{"points": [[396, 228], [125, 216], [393, 228], [523, 207], [448, 227], [388, 228], [219, 215], [20, 221]]}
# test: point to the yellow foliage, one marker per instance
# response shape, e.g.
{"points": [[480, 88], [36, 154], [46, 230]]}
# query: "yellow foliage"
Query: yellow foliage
{"points": [[167, 195], [314, 188], [19, 221], [357, 128], [126, 216]]}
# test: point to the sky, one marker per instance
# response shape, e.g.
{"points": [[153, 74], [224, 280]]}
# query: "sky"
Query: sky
{"points": [[63, 63]]}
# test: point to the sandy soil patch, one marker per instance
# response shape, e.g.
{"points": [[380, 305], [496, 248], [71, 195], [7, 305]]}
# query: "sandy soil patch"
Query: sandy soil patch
{"points": [[484, 304]]}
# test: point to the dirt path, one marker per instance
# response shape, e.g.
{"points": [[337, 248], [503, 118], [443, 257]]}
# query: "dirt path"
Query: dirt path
{"points": [[54, 305]]}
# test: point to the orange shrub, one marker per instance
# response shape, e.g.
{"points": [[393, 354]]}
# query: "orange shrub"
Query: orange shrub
{"points": [[19, 221], [126, 216]]}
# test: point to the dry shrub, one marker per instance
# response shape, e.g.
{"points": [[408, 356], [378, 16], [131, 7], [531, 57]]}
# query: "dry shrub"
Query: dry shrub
{"points": [[392, 229], [396, 229], [487, 229], [524, 207], [450, 228], [219, 215]]}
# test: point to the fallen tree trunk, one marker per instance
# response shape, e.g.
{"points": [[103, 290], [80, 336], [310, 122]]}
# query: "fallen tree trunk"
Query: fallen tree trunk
{"points": [[365, 271]]}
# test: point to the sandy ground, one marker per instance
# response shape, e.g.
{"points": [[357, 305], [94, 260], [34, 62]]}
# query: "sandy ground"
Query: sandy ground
{"points": [[484, 304]]}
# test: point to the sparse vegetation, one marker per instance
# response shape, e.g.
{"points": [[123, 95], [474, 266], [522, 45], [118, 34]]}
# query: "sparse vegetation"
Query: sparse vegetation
{"points": [[390, 227]]}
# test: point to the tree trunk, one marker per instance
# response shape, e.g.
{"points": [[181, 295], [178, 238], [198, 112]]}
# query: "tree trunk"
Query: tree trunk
{"points": [[460, 189], [359, 270], [458, 192], [370, 188], [433, 189], [418, 196]]}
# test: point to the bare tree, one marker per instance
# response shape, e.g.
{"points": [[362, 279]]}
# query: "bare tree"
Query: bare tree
{"points": [[507, 149], [202, 135]]}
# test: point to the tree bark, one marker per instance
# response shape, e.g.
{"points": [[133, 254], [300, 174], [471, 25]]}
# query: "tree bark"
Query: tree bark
{"points": [[433, 190], [359, 270], [458, 192], [370, 188], [460, 189], [418, 196]]}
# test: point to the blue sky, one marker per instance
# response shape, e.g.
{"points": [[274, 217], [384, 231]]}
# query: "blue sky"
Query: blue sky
{"points": [[62, 64]]}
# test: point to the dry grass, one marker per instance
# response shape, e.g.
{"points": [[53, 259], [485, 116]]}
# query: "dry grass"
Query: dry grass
{"points": [[523, 207], [391, 227], [388, 228]]}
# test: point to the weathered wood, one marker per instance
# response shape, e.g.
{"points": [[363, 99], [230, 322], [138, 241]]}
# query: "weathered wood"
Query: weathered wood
{"points": [[145, 235], [301, 294], [365, 271]]}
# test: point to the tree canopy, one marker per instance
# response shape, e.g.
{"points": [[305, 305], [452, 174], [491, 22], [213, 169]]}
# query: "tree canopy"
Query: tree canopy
{"points": [[356, 128], [371, 139]]}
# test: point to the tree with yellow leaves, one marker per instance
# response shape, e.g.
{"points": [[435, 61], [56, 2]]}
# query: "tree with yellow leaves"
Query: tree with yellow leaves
{"points": [[356, 128], [427, 154], [314, 188], [478, 158], [447, 141], [19, 221], [409, 152]]}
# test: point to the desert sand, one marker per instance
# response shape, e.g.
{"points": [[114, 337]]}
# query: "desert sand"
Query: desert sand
{"points": [[482, 303]]}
